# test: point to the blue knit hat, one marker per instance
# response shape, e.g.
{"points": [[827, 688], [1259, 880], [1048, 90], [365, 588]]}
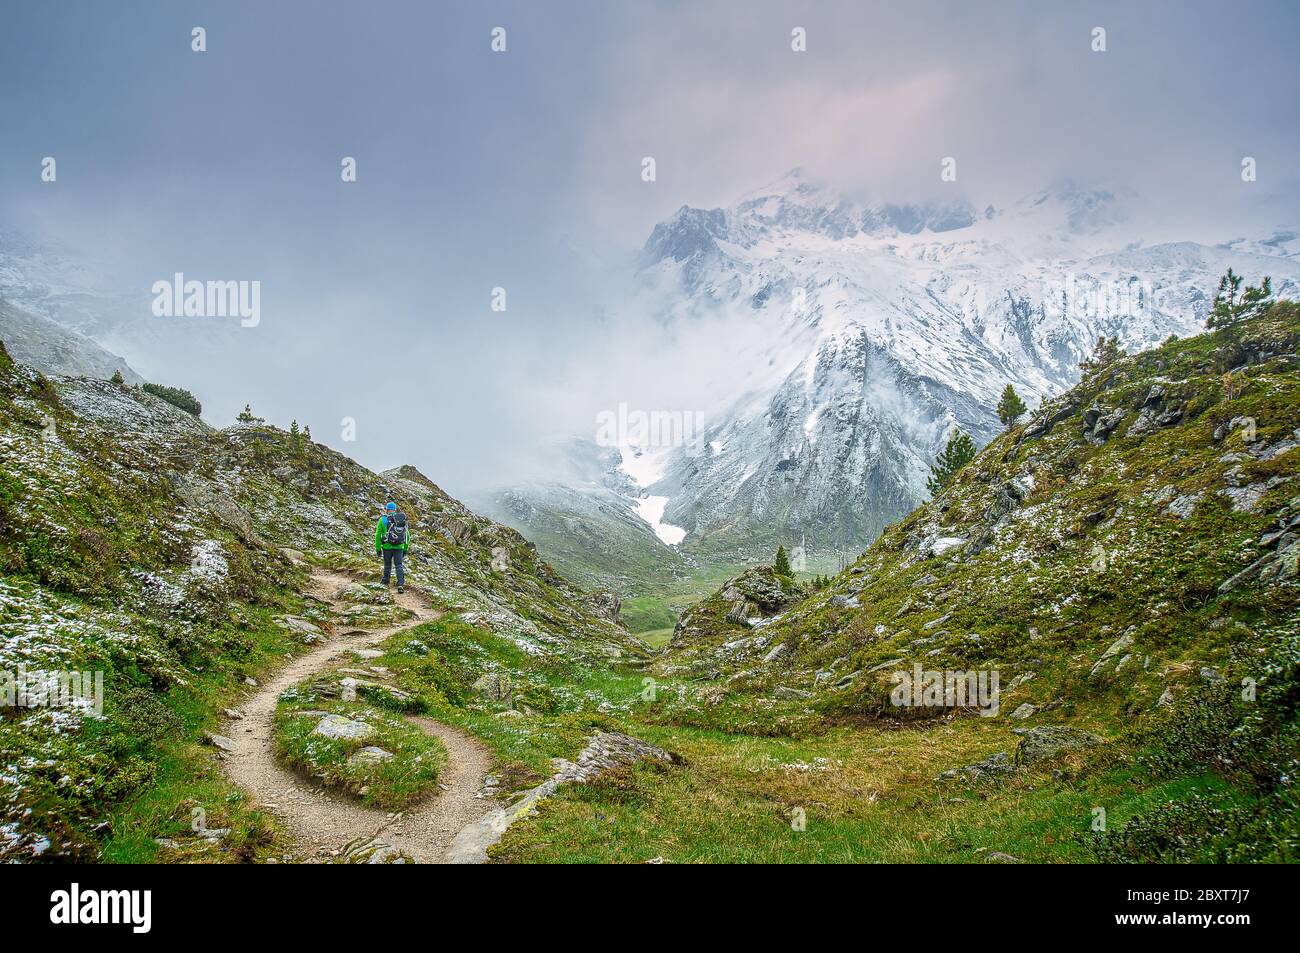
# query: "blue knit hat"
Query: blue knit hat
{"points": [[390, 507]]}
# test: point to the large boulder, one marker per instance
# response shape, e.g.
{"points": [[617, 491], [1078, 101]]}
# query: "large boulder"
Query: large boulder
{"points": [[307, 631], [1048, 741], [494, 687], [341, 728]]}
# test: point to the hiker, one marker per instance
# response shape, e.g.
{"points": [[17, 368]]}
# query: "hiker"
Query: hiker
{"points": [[391, 541]]}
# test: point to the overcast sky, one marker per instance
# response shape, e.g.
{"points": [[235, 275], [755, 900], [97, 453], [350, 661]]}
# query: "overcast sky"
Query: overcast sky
{"points": [[522, 169]]}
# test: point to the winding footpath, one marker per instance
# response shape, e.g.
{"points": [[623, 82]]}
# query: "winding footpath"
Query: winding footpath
{"points": [[324, 824]]}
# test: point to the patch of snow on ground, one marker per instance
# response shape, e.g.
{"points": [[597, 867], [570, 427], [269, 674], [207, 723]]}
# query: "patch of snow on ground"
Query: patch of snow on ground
{"points": [[644, 466], [207, 561], [651, 509]]}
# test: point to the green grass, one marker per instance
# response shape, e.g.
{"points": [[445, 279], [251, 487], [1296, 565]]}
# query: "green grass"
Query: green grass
{"points": [[188, 794], [556, 702], [873, 799], [409, 775], [659, 606], [657, 638], [642, 614], [868, 793]]}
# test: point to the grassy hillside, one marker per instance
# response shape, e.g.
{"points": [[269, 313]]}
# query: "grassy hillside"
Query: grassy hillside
{"points": [[137, 542], [1124, 560]]}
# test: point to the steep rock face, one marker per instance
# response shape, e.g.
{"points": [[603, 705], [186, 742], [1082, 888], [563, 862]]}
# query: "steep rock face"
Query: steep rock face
{"points": [[46, 345], [884, 326], [839, 452]]}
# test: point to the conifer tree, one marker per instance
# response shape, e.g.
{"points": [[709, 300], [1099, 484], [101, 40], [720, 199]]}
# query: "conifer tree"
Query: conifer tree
{"points": [[1010, 407], [1232, 308], [959, 452], [1104, 353]]}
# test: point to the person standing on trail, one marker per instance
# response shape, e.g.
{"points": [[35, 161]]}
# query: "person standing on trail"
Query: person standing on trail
{"points": [[391, 541]]}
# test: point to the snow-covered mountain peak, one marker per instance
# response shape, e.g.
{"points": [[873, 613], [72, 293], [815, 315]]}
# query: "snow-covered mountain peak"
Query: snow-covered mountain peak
{"points": [[873, 328]]}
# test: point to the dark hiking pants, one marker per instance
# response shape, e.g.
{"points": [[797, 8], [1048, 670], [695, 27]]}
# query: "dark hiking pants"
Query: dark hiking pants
{"points": [[395, 557]]}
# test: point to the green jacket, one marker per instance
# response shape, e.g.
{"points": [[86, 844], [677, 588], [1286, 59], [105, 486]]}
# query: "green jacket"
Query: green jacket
{"points": [[381, 530]]}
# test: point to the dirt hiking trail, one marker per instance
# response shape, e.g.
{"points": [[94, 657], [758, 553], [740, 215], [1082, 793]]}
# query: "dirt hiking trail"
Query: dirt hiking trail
{"points": [[323, 822]]}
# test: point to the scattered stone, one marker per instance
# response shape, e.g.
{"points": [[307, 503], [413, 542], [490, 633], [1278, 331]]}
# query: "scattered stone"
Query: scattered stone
{"points": [[1270, 566], [356, 592], [220, 742], [603, 603], [1245, 499], [1116, 647], [1042, 425], [1020, 680], [1103, 424], [787, 693], [1182, 506], [605, 752], [608, 751], [997, 857], [307, 631], [995, 765], [777, 651], [364, 685], [1169, 417], [1023, 711], [942, 544], [370, 755], [740, 612], [850, 602]]}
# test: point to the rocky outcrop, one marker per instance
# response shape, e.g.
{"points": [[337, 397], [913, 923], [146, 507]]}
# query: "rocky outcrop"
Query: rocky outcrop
{"points": [[604, 603], [1049, 741], [495, 688], [761, 587], [608, 751]]}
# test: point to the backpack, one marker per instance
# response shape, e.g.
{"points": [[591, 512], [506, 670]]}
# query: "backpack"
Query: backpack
{"points": [[396, 535]]}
